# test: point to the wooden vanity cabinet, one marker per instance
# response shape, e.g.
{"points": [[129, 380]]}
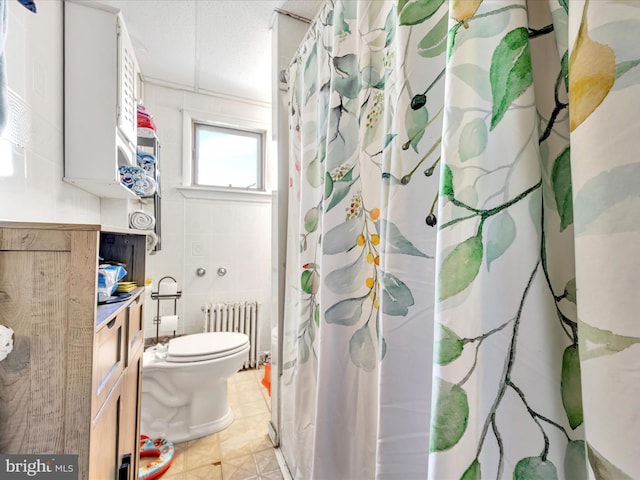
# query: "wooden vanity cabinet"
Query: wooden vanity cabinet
{"points": [[72, 384]]}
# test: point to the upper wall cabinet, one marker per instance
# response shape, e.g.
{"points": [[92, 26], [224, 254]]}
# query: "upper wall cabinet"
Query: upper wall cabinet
{"points": [[101, 77]]}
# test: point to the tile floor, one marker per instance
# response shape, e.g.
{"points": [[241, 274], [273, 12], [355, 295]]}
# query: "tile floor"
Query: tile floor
{"points": [[243, 451]]}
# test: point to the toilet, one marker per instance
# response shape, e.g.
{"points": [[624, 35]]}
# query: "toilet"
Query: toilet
{"points": [[184, 384]]}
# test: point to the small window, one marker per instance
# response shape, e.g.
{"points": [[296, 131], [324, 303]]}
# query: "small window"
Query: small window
{"points": [[227, 157]]}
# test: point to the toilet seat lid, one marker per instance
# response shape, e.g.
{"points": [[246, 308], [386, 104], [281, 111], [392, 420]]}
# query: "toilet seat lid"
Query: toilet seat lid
{"points": [[204, 346]]}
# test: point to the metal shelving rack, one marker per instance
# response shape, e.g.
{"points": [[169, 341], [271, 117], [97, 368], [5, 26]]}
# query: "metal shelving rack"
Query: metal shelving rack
{"points": [[158, 297], [147, 139]]}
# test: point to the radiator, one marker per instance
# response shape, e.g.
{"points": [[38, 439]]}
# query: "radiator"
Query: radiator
{"points": [[235, 317]]}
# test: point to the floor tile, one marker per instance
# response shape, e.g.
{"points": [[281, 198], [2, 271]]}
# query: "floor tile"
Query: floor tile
{"points": [[266, 395], [250, 408], [239, 468], [275, 475], [203, 451], [233, 399], [168, 475], [250, 394], [178, 463], [261, 443], [266, 461], [237, 428], [262, 420], [237, 446], [205, 472]]}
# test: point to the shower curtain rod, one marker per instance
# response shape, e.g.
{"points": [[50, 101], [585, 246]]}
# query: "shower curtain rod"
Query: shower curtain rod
{"points": [[292, 15]]}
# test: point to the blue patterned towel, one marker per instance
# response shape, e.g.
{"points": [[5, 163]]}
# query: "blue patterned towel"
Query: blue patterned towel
{"points": [[146, 161], [29, 5]]}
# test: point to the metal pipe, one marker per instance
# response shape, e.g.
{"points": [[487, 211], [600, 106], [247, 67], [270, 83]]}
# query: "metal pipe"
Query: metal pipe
{"points": [[292, 15]]}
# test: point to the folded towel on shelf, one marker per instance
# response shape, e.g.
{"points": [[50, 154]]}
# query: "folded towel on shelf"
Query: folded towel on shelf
{"points": [[141, 220], [132, 177], [152, 241], [149, 186], [146, 160], [145, 120], [29, 5]]}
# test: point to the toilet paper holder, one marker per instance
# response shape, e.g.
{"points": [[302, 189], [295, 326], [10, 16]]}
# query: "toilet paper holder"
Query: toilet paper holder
{"points": [[170, 286]]}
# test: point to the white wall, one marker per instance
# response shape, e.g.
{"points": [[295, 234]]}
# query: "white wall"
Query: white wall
{"points": [[31, 147], [233, 233]]}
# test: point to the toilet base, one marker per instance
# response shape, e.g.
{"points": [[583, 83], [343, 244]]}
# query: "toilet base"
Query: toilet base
{"points": [[178, 431], [202, 430]]}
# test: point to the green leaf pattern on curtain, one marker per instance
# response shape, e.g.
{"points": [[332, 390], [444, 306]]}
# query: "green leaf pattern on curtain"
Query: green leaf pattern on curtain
{"points": [[537, 221], [345, 216], [365, 107], [509, 145]]}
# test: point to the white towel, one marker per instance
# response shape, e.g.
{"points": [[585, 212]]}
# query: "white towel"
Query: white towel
{"points": [[6, 341], [141, 220], [152, 241], [149, 186]]}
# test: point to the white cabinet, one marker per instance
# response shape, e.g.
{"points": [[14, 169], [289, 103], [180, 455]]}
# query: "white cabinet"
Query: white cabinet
{"points": [[101, 77]]}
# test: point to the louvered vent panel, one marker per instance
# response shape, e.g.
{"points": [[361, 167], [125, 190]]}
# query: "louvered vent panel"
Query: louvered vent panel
{"points": [[127, 114], [129, 88]]}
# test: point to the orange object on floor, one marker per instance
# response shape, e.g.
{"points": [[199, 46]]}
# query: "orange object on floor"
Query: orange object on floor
{"points": [[266, 379], [157, 447]]}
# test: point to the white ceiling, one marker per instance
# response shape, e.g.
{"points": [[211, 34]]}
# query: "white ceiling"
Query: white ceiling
{"points": [[210, 46]]}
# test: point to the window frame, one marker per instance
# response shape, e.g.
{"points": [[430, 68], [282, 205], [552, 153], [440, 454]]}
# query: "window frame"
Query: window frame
{"points": [[243, 121], [259, 135]]}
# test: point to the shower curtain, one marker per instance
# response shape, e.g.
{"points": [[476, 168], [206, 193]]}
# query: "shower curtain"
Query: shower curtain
{"points": [[461, 260]]}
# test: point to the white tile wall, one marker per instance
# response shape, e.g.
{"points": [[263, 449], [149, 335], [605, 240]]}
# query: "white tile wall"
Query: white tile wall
{"points": [[31, 147], [211, 234]]}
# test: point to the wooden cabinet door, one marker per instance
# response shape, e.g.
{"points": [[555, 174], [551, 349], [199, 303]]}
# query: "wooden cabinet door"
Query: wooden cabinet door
{"points": [[33, 302], [104, 454], [47, 296], [108, 359]]}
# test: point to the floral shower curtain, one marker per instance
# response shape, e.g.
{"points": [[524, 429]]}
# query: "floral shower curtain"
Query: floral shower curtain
{"points": [[509, 347]]}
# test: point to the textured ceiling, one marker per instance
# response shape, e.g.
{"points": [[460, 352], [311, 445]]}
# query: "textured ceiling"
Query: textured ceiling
{"points": [[211, 46]]}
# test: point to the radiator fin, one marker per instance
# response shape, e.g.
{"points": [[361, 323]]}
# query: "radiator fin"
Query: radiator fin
{"points": [[236, 317]]}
